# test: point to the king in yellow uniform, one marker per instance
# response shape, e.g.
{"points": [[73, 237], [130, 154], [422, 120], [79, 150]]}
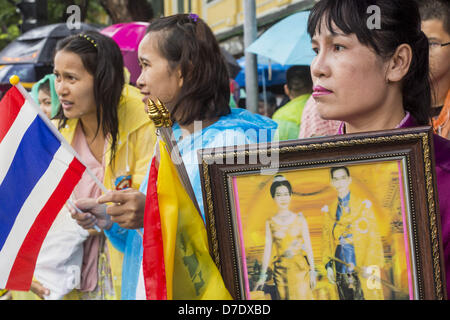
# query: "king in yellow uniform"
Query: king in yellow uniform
{"points": [[352, 249]]}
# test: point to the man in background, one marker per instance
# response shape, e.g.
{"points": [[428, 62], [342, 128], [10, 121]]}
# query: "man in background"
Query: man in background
{"points": [[298, 88], [435, 15]]}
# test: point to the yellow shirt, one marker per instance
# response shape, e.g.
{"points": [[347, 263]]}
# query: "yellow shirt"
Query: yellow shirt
{"points": [[360, 221]]}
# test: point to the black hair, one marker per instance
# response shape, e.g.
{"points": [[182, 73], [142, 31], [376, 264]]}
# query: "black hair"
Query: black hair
{"points": [[400, 23], [270, 97], [278, 183], [189, 43], [271, 102], [334, 169], [45, 86], [298, 80], [102, 58], [436, 9]]}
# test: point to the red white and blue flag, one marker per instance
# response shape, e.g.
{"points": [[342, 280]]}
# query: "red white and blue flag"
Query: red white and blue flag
{"points": [[38, 173]]}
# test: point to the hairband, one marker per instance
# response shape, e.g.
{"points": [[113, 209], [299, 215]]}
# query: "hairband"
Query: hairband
{"points": [[88, 39], [279, 178]]}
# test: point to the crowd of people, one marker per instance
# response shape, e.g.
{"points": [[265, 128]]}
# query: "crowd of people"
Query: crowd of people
{"points": [[360, 80]]}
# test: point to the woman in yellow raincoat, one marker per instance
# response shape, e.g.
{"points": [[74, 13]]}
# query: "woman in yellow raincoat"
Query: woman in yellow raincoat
{"points": [[104, 120]]}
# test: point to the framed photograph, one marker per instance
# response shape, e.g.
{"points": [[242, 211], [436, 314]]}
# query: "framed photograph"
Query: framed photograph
{"points": [[346, 217]]}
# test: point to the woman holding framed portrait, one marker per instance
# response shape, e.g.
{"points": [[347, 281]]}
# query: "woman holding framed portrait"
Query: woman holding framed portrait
{"points": [[376, 77], [287, 232]]}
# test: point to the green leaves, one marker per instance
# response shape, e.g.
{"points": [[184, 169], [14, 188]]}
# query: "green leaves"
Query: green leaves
{"points": [[9, 22]]}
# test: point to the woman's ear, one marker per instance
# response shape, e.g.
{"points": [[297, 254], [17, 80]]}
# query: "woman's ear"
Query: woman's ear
{"points": [[180, 77], [286, 90], [399, 63]]}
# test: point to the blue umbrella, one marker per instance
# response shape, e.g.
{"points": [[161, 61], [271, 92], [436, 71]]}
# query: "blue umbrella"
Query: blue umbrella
{"points": [[269, 73], [286, 42], [38, 45]]}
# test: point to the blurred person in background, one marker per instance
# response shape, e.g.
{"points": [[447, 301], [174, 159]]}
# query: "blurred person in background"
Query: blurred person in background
{"points": [[43, 92], [435, 15], [298, 88], [267, 106], [312, 124]]}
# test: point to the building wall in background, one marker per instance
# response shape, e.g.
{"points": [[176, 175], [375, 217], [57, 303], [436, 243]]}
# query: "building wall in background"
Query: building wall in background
{"points": [[226, 17]]}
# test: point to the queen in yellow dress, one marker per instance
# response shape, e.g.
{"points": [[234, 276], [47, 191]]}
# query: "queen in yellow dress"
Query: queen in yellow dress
{"points": [[288, 244]]}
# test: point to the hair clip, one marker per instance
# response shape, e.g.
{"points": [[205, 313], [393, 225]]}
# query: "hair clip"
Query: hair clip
{"points": [[88, 39], [193, 16]]}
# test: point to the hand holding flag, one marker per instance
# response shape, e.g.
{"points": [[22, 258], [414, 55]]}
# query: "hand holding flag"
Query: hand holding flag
{"points": [[89, 214], [127, 209]]}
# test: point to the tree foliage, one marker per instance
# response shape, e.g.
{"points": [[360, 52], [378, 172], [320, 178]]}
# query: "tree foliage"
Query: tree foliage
{"points": [[9, 22]]}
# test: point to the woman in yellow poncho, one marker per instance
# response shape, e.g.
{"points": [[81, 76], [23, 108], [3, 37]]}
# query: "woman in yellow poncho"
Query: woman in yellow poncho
{"points": [[104, 120]]}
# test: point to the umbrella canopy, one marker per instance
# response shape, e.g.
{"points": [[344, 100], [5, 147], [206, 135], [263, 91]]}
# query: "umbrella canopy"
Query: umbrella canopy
{"points": [[128, 36], [269, 73], [286, 42], [38, 45]]}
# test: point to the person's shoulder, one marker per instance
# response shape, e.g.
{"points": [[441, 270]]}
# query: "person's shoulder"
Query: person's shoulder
{"points": [[442, 152], [131, 111], [240, 127], [131, 98], [68, 130], [247, 118], [292, 110]]}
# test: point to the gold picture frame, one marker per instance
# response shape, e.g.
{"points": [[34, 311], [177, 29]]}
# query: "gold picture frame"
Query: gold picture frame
{"points": [[237, 200]]}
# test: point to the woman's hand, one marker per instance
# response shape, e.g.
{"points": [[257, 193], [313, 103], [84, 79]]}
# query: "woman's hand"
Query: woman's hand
{"points": [[92, 214], [127, 209], [39, 289]]}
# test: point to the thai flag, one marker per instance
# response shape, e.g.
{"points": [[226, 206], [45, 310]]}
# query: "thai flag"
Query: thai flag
{"points": [[38, 172]]}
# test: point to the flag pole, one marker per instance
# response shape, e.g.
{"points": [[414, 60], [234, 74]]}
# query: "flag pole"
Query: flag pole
{"points": [[15, 81], [160, 116]]}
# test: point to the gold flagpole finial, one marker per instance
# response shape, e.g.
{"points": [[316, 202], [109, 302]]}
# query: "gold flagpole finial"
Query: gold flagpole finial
{"points": [[160, 116], [14, 80], [158, 113], [164, 113], [154, 114]]}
